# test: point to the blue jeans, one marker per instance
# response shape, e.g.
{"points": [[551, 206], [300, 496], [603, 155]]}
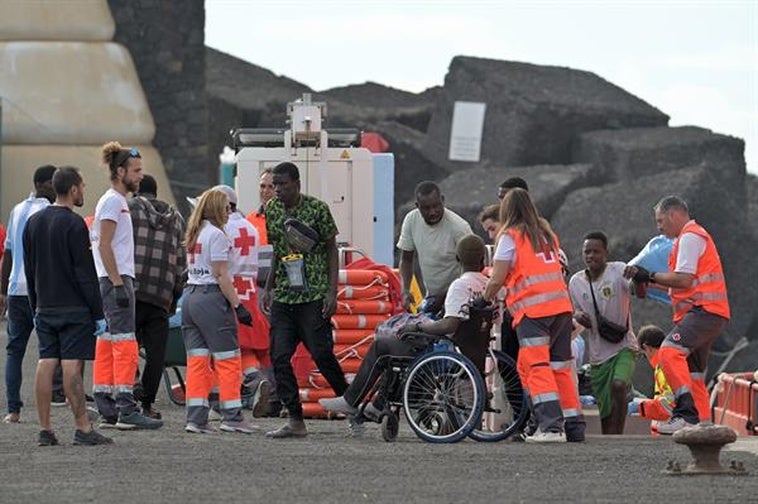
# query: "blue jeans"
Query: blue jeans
{"points": [[20, 325]]}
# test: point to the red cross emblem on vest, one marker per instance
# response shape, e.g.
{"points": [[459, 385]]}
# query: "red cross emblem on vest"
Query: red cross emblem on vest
{"points": [[244, 241], [242, 285], [197, 249]]}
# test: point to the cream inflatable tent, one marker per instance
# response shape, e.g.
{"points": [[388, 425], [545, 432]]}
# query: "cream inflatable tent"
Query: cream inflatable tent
{"points": [[66, 89]]}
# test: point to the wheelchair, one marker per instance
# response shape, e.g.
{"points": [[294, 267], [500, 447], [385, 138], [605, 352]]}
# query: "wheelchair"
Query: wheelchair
{"points": [[445, 390]]}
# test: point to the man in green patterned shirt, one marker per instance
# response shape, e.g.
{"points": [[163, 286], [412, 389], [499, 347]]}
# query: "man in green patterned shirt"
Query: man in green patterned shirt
{"points": [[301, 292]]}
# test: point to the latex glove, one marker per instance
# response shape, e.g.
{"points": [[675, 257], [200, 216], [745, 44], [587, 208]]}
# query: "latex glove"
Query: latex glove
{"points": [[122, 299], [100, 327], [633, 408], [243, 316]]}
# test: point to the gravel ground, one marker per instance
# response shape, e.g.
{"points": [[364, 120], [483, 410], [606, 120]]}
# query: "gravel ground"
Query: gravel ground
{"points": [[171, 466]]}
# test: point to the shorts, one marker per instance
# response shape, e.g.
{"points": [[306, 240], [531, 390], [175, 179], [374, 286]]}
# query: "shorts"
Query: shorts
{"points": [[66, 335], [620, 367], [694, 335]]}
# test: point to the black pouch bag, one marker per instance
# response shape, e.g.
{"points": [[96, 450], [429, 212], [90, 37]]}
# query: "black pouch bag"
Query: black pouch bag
{"points": [[609, 331]]}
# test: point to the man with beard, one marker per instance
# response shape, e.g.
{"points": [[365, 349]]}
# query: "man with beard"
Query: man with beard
{"points": [[431, 232], [61, 280], [116, 354]]}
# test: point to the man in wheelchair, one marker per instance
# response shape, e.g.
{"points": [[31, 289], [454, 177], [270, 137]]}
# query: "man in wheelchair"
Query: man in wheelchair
{"points": [[409, 339]]}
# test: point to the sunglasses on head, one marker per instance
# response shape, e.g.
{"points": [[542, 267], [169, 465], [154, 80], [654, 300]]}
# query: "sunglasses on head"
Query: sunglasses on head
{"points": [[134, 153]]}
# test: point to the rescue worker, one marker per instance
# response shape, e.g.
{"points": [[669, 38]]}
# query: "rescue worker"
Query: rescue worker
{"points": [[253, 340], [701, 309], [658, 409], [526, 262], [116, 352], [209, 327]]}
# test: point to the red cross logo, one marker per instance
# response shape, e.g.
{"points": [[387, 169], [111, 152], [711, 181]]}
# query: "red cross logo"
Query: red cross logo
{"points": [[244, 242], [242, 285], [197, 249]]}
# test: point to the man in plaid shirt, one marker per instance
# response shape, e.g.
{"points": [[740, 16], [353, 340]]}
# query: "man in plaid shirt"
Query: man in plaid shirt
{"points": [[160, 261]]}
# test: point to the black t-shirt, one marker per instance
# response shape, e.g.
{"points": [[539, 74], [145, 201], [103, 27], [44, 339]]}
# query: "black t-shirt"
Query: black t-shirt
{"points": [[60, 270]]}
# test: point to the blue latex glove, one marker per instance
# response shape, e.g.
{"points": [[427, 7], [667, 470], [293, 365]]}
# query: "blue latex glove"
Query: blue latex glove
{"points": [[100, 327], [633, 408]]}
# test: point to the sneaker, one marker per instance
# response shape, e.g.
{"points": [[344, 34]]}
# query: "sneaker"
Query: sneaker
{"points": [[242, 426], [136, 420], [194, 428], [108, 422], [58, 400], [261, 398], [372, 413], [90, 438], [355, 429], [13, 417], [89, 398], [546, 437], [151, 412], [214, 416], [338, 405], [47, 438], [275, 409], [673, 425], [294, 428]]}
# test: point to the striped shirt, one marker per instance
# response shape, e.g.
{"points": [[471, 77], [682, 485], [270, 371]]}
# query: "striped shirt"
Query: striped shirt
{"points": [[14, 241]]}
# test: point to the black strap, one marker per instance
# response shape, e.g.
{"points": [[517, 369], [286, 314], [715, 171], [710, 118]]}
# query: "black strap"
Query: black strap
{"points": [[592, 293]]}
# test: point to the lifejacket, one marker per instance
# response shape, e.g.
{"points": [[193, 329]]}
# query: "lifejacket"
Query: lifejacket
{"points": [[535, 286], [708, 289], [661, 405]]}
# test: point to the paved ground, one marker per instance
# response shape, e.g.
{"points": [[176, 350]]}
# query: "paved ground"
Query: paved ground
{"points": [[171, 466]]}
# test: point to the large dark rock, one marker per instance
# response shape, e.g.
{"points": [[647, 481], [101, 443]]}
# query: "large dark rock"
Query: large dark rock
{"points": [[632, 153], [624, 212], [533, 112], [468, 191]]}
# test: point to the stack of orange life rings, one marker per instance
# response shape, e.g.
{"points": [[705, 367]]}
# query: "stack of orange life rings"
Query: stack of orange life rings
{"points": [[363, 302]]}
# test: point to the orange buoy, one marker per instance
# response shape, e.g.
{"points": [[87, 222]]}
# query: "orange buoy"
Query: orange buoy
{"points": [[363, 306], [342, 321], [363, 292], [308, 394], [350, 336], [362, 277]]}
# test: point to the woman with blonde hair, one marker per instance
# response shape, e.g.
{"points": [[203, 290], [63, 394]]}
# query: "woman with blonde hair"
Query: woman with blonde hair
{"points": [[209, 327], [526, 262]]}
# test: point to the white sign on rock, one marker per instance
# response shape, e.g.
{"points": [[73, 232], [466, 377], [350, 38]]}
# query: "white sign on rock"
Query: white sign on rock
{"points": [[466, 133]]}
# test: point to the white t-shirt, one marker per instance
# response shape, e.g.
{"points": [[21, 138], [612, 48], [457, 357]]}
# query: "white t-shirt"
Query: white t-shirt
{"points": [[435, 246], [463, 288], [614, 302], [243, 259], [212, 245], [691, 249], [113, 206]]}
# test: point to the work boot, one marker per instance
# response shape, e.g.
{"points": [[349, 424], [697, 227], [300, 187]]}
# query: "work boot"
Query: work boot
{"points": [[91, 438], [294, 428]]}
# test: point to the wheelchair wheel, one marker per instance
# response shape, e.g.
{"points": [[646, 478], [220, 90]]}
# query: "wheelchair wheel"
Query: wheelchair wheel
{"points": [[504, 393], [443, 397], [390, 427]]}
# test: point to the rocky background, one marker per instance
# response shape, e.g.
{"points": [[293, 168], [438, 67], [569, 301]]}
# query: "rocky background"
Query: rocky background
{"points": [[595, 156]]}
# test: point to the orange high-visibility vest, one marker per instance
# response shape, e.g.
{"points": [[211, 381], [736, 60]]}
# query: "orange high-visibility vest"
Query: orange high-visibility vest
{"points": [[708, 289], [258, 219], [535, 285]]}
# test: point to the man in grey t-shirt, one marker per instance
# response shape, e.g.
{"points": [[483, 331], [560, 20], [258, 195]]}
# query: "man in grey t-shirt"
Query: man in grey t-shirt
{"points": [[432, 232]]}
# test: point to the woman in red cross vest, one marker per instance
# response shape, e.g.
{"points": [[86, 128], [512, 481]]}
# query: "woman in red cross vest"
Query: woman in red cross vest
{"points": [[526, 262]]}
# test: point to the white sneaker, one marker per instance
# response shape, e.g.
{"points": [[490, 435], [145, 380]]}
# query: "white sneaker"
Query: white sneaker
{"points": [[673, 425], [546, 437], [194, 428]]}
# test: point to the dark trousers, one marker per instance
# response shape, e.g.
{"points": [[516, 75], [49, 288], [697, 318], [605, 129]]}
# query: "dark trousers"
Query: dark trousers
{"points": [[375, 363], [290, 325], [20, 326], [152, 334]]}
